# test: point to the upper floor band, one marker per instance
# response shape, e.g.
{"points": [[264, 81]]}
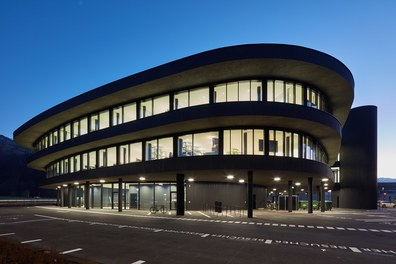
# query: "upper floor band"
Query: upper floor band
{"points": [[278, 91]]}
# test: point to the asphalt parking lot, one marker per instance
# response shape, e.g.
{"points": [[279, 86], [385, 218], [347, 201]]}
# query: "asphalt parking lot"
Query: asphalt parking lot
{"points": [[107, 236]]}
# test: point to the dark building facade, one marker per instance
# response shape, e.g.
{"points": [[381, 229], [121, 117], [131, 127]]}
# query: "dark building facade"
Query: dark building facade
{"points": [[235, 124]]}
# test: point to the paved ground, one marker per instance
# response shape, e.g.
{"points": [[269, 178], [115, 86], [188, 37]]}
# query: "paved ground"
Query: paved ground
{"points": [[107, 236]]}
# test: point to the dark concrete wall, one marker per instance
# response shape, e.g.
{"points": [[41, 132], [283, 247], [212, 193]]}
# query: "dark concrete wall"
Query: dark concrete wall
{"points": [[358, 159]]}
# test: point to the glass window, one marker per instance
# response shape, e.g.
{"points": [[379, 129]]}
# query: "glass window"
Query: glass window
{"points": [[67, 131], [256, 91], [289, 92], [247, 141], [85, 161], [165, 148], [236, 144], [61, 134], [104, 118], [124, 154], [136, 152], [184, 146], [102, 158], [76, 129], [227, 142], [151, 150], [258, 142], [146, 108], [199, 96], [161, 104], [299, 94], [94, 122], [280, 141], [92, 160], [111, 156], [206, 144], [66, 166], [220, 93], [50, 140], [117, 116], [296, 145], [72, 166], [288, 144], [244, 91], [77, 163], [270, 91], [279, 91], [129, 112], [180, 100], [84, 126], [232, 92]]}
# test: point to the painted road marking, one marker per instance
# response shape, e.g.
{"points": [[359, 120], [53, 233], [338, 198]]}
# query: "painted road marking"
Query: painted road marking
{"points": [[310, 226], [138, 262], [31, 241], [158, 230], [351, 229], [320, 227], [28, 221], [330, 227], [70, 251], [340, 228], [362, 229], [244, 238], [189, 213], [7, 234], [204, 214], [354, 249], [386, 231], [292, 225], [303, 226]]}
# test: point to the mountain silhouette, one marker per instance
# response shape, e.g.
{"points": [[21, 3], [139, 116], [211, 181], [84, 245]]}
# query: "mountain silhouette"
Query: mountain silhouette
{"points": [[16, 179]]}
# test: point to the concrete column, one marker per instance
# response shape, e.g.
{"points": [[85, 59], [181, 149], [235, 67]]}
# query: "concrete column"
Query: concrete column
{"points": [[58, 197], [250, 194], [179, 194], [290, 196], [322, 198], [92, 197], [310, 195], [101, 196], [112, 196], [86, 195], [119, 195], [69, 195], [62, 197]]}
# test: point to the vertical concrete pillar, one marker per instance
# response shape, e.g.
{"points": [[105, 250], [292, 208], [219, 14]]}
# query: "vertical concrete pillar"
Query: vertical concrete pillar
{"points": [[290, 196], [101, 196], [310, 205], [179, 194], [119, 195], [86, 195], [250, 194], [62, 197], [112, 196], [322, 198], [93, 197], [69, 195], [58, 196]]}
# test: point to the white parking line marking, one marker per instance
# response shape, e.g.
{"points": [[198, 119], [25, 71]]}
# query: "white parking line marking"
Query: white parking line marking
{"points": [[330, 227], [268, 241], [31, 241], [158, 230], [386, 231], [373, 230], [275, 224], [204, 214], [251, 223], [292, 225], [237, 222], [7, 234], [310, 226], [259, 224], [205, 235], [283, 225], [267, 224], [340, 228], [138, 262], [320, 227], [301, 226], [363, 229], [354, 249], [70, 251], [351, 229]]}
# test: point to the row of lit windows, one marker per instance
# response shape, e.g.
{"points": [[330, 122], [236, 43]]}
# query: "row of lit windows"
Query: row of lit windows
{"points": [[234, 142], [246, 90]]}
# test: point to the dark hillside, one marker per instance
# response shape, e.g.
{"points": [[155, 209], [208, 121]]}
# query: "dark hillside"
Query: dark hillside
{"points": [[16, 179]]}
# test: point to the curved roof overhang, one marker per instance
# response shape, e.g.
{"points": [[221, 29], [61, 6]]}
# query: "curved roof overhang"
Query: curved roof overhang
{"points": [[321, 125], [237, 62], [207, 169]]}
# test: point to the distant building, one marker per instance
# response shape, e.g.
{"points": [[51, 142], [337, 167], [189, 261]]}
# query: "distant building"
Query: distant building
{"points": [[387, 191], [233, 125]]}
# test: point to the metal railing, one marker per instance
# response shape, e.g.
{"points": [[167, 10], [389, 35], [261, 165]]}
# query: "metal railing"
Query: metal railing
{"points": [[225, 210]]}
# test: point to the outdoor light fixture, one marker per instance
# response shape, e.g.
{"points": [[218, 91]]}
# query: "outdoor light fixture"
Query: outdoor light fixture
{"points": [[76, 183], [329, 191], [64, 185], [325, 180], [298, 183], [274, 189], [58, 187], [190, 179], [230, 177], [302, 190], [277, 179], [142, 179], [326, 184], [326, 188], [241, 181], [102, 181]]}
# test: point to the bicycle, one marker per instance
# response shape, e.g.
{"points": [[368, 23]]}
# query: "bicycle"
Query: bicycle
{"points": [[155, 209]]}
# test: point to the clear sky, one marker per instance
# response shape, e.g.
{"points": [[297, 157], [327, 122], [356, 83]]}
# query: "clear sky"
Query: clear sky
{"points": [[53, 50]]}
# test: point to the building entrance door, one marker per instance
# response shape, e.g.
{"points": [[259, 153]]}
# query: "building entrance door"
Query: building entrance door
{"points": [[173, 201], [133, 201]]}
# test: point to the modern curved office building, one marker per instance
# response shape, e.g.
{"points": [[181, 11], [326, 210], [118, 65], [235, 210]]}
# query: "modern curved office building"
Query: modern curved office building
{"points": [[235, 125]]}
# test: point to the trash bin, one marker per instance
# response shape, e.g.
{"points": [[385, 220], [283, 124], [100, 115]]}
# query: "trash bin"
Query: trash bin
{"points": [[218, 206]]}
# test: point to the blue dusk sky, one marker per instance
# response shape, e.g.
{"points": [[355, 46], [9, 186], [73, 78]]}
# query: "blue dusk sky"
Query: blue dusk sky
{"points": [[53, 50]]}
